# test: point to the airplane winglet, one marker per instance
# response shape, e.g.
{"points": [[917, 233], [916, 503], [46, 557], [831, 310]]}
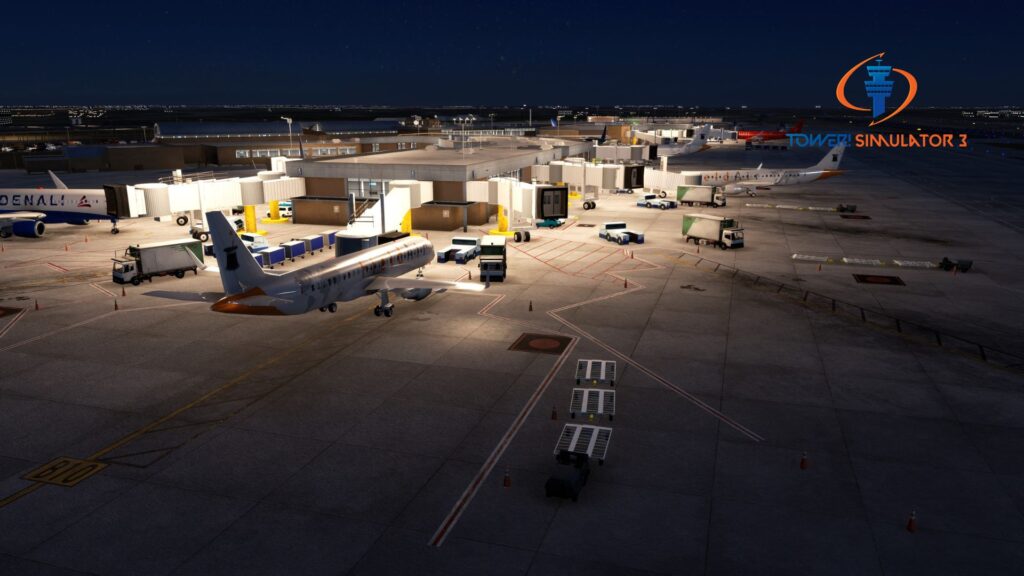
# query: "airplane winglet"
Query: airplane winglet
{"points": [[57, 181]]}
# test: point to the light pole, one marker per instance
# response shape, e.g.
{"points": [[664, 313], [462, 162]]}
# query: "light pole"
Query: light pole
{"points": [[462, 121], [289, 121]]}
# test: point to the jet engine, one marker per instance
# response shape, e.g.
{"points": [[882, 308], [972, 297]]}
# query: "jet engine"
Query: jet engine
{"points": [[28, 228], [739, 189], [415, 293]]}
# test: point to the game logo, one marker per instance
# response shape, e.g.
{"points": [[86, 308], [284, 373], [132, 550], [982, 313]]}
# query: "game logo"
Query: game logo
{"points": [[878, 83]]}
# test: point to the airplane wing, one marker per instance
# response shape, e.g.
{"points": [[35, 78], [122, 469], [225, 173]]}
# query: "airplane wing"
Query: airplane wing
{"points": [[400, 283], [186, 296], [14, 216]]}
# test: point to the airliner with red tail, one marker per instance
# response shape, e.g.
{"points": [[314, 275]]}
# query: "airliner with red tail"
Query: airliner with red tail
{"points": [[766, 135]]}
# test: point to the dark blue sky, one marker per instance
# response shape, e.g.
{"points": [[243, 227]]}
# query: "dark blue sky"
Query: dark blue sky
{"points": [[378, 52]]}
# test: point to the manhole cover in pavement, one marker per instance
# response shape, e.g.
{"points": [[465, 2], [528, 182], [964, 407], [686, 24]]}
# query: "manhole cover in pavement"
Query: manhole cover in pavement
{"points": [[879, 279], [542, 343]]}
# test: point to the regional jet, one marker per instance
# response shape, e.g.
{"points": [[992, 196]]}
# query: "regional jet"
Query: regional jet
{"points": [[378, 270], [24, 210], [739, 181]]}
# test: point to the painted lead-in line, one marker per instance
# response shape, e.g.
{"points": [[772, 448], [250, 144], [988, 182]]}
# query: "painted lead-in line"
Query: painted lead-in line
{"points": [[102, 289], [470, 492], [681, 392], [12, 322]]}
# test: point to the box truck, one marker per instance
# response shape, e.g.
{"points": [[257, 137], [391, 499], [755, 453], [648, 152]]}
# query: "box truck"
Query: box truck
{"points": [[714, 230], [142, 262], [700, 196]]}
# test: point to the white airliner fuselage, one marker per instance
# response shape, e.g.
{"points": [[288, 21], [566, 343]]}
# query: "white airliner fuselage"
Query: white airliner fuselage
{"points": [[251, 290], [734, 180], [23, 210]]}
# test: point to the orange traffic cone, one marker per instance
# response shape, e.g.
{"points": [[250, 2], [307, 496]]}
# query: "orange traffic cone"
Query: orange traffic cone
{"points": [[554, 413], [37, 304], [470, 274], [3, 247], [65, 247], [804, 463], [507, 482], [86, 238], [123, 294], [115, 305], [819, 267], [912, 522], [531, 305], [625, 283]]}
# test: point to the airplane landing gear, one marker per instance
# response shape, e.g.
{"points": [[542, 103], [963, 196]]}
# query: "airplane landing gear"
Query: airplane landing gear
{"points": [[385, 308], [332, 307]]}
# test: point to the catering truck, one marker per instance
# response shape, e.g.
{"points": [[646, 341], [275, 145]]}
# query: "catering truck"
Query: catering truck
{"points": [[143, 262], [714, 230], [700, 196]]}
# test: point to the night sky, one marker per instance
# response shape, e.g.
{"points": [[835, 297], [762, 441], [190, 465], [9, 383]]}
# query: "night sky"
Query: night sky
{"points": [[494, 53]]}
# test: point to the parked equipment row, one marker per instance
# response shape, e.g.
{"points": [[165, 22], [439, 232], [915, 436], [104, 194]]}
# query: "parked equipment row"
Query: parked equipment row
{"points": [[578, 444]]}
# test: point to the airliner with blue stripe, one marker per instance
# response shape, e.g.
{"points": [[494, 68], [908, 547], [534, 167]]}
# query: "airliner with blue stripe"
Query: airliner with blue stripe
{"points": [[26, 212]]}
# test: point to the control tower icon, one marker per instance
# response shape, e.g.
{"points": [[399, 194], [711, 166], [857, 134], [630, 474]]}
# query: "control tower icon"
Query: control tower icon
{"points": [[878, 88]]}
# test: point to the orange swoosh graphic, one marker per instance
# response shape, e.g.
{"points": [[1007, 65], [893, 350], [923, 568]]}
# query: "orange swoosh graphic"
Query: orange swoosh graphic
{"points": [[841, 87]]}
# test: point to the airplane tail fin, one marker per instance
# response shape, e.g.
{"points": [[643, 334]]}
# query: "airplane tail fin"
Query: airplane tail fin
{"points": [[238, 268], [57, 182], [832, 159], [798, 128], [604, 134]]}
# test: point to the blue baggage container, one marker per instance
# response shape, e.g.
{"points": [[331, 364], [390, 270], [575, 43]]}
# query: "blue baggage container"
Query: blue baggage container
{"points": [[329, 237], [294, 249], [313, 242], [272, 256]]}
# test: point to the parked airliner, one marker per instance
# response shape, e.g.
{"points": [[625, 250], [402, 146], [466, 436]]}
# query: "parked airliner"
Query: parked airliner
{"points": [[26, 212], [377, 270], [739, 181]]}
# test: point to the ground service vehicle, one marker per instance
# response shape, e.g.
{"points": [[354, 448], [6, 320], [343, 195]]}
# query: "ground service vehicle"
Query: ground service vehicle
{"points": [[253, 241], [461, 250], [493, 261], [145, 261], [284, 208], [714, 230], [617, 232], [700, 196], [652, 201]]}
